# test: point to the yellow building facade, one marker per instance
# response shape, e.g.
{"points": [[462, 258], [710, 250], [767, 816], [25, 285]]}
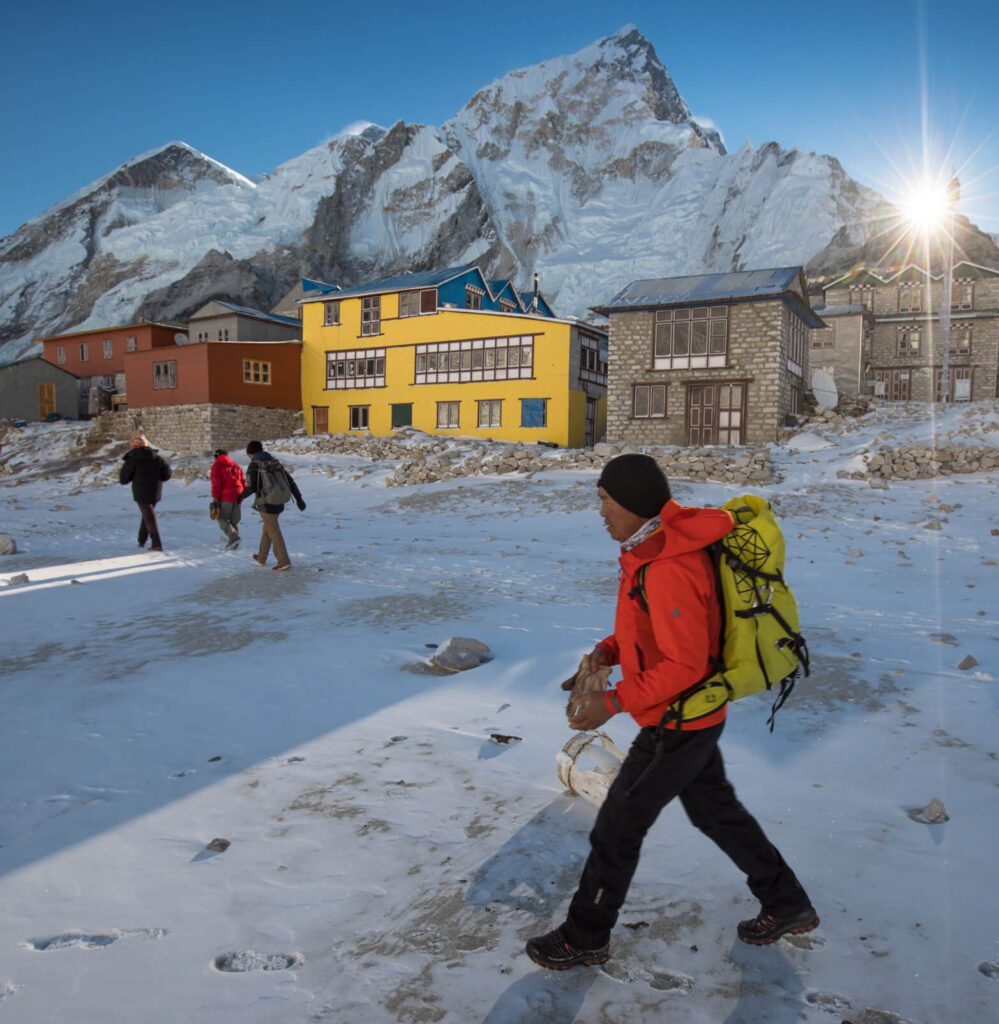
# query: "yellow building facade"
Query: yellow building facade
{"points": [[398, 353]]}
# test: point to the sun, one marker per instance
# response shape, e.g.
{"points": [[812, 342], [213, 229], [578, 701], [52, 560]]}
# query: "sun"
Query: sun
{"points": [[926, 205]]}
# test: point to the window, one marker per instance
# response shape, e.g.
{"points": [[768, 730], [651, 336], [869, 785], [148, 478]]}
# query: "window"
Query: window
{"points": [[649, 401], [108, 348], [165, 374], [794, 341], [371, 315], [962, 295], [60, 354], [416, 302], [131, 343], [534, 412], [202, 335], [359, 417], [506, 306], [473, 297], [910, 298], [863, 296], [256, 372], [331, 313], [909, 341], [959, 381], [454, 362], [223, 334], [356, 368], [592, 365], [402, 414], [823, 337], [490, 412], [84, 352], [689, 338], [960, 339], [447, 415]]}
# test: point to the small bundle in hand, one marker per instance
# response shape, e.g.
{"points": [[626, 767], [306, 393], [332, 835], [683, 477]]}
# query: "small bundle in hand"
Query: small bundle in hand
{"points": [[589, 678], [213, 510]]}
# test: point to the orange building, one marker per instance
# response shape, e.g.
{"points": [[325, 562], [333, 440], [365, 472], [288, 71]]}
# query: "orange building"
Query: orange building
{"points": [[102, 351]]}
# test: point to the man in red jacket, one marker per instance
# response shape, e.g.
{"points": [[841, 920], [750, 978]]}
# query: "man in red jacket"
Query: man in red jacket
{"points": [[227, 484], [662, 649]]}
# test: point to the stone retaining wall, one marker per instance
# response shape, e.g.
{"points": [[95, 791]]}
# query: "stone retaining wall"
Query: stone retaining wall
{"points": [[924, 463], [197, 428]]}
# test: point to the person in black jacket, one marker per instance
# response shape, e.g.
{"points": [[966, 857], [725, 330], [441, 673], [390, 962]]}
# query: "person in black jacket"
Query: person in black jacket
{"points": [[145, 469], [271, 534]]}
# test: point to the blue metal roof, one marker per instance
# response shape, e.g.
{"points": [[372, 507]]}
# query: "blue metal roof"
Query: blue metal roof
{"points": [[402, 282]]}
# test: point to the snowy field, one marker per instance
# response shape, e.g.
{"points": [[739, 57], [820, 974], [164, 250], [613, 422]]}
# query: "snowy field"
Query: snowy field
{"points": [[388, 858]]}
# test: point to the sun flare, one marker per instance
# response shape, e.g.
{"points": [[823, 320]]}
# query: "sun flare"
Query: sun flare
{"points": [[926, 205]]}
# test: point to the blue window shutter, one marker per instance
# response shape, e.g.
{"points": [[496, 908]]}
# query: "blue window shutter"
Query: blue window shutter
{"points": [[532, 412]]}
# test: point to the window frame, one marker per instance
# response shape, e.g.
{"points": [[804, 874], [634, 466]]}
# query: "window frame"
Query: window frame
{"points": [[165, 375], [60, 354], [257, 371], [331, 313], [904, 346], [473, 296], [107, 348], [913, 292], [473, 360], [131, 343], [371, 315], [668, 340], [417, 302], [449, 407], [84, 352], [358, 413], [489, 407], [649, 390], [345, 363]]}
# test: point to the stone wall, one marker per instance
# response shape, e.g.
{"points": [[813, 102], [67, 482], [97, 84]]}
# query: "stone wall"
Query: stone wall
{"points": [[197, 428], [924, 462]]}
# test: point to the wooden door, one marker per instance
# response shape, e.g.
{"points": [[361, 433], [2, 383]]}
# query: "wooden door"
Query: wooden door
{"points": [[46, 400], [320, 419]]}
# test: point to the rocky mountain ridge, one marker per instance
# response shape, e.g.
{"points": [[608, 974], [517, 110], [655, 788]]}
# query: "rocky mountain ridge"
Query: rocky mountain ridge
{"points": [[588, 169]]}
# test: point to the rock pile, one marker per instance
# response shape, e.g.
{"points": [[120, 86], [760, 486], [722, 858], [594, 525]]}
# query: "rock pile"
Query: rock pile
{"points": [[924, 462]]}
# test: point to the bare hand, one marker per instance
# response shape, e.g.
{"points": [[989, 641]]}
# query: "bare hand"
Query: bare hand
{"points": [[590, 712]]}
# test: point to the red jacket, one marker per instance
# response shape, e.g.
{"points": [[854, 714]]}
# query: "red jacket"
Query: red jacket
{"points": [[668, 648], [227, 479]]}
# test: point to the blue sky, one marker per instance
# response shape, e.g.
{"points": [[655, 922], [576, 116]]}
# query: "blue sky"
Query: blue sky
{"points": [[86, 87]]}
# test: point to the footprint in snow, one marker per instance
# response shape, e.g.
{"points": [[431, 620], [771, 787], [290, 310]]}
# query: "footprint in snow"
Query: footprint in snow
{"points": [[96, 941], [830, 1001], [241, 963]]}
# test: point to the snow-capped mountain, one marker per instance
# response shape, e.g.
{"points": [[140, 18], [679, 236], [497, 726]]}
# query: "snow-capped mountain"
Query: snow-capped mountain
{"points": [[588, 169]]}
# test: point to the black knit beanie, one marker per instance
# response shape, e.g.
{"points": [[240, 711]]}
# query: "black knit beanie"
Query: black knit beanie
{"points": [[636, 483], [253, 447]]}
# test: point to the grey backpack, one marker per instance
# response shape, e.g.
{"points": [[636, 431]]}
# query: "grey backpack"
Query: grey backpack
{"points": [[272, 483]]}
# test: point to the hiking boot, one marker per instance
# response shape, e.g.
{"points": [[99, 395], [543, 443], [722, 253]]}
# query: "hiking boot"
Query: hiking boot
{"points": [[557, 954], [258, 559], [282, 568], [766, 928], [232, 545]]}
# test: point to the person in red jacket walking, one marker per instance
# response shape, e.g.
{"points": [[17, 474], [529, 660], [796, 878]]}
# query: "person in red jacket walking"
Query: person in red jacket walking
{"points": [[228, 482], [662, 649]]}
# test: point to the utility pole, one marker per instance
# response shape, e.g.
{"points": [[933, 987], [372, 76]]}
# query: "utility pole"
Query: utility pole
{"points": [[953, 195]]}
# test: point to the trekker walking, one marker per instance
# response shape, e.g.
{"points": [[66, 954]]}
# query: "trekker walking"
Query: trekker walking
{"points": [[145, 469], [227, 484], [662, 652], [262, 470]]}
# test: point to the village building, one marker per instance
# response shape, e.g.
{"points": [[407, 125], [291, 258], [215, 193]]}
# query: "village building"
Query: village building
{"points": [[708, 359], [900, 354], [449, 352]]}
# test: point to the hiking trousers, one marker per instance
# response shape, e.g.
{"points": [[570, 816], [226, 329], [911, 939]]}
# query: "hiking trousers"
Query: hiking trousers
{"points": [[148, 528], [230, 513], [691, 768], [271, 536]]}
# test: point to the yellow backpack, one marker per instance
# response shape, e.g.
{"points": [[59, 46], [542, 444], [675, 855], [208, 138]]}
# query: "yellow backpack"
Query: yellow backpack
{"points": [[761, 646]]}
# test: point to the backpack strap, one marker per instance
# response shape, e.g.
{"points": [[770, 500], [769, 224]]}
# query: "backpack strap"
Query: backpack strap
{"points": [[637, 592]]}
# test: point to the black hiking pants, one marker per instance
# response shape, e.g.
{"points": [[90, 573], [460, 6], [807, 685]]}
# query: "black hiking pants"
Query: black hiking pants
{"points": [[690, 767], [148, 528]]}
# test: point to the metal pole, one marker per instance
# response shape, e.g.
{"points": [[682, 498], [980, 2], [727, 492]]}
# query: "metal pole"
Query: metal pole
{"points": [[953, 194]]}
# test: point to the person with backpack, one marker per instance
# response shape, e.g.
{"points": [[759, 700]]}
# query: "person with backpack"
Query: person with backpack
{"points": [[228, 482], [146, 470], [274, 487], [666, 640]]}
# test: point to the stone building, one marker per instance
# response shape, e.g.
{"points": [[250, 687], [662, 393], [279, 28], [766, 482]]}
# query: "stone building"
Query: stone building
{"points": [[708, 358], [903, 359]]}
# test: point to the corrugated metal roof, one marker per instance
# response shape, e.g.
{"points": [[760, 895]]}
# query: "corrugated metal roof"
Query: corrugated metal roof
{"points": [[259, 314], [740, 284]]}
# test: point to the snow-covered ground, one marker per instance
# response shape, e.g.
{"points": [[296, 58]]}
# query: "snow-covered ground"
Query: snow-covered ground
{"points": [[388, 858]]}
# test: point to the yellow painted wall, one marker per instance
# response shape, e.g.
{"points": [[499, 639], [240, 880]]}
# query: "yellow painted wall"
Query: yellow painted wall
{"points": [[565, 405]]}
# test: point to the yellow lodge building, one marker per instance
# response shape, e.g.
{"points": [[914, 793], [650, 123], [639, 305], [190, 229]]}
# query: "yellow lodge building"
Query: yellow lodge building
{"points": [[450, 352]]}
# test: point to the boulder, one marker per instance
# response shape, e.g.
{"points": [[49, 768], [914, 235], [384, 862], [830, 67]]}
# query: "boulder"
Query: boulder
{"points": [[458, 653]]}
